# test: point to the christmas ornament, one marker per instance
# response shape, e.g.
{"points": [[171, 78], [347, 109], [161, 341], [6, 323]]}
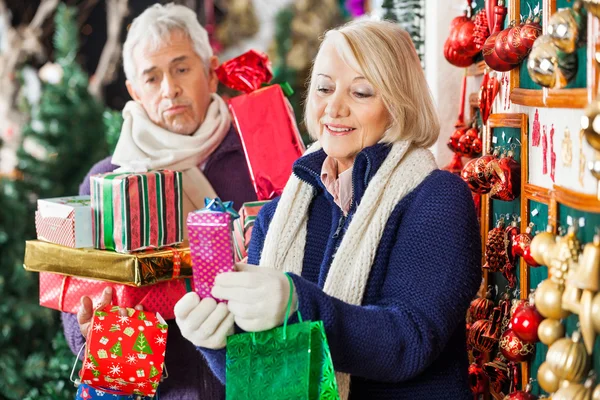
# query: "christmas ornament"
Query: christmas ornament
{"points": [[544, 151], [548, 300], [506, 178], [574, 391], [470, 177], [456, 165], [481, 168], [469, 144], [481, 31], [566, 28], [567, 149], [465, 39], [487, 94], [549, 67], [590, 127], [478, 381], [481, 308], [521, 241], [547, 380], [568, 359], [529, 260], [564, 256], [542, 244], [571, 295], [512, 231], [515, 349], [497, 372], [488, 51], [495, 249], [596, 393], [521, 394], [552, 155], [585, 321], [523, 38], [454, 46], [549, 331], [535, 131], [502, 49], [596, 312], [588, 273], [525, 323], [476, 338]]}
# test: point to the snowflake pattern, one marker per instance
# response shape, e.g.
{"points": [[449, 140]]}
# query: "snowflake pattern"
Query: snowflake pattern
{"points": [[131, 359], [115, 369], [90, 365], [123, 319], [114, 387], [160, 340], [141, 384], [98, 328]]}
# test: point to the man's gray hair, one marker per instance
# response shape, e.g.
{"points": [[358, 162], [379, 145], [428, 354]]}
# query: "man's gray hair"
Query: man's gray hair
{"points": [[153, 27]]}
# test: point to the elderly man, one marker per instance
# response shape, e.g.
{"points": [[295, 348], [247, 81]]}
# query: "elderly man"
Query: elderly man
{"points": [[175, 121]]}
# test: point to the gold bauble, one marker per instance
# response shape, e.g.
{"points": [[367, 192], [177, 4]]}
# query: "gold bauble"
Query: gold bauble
{"points": [[549, 331], [587, 274], [567, 28], [596, 393], [590, 123], [585, 321], [546, 378], [550, 67], [541, 246], [563, 261], [575, 391], [568, 359], [548, 300], [596, 312]]}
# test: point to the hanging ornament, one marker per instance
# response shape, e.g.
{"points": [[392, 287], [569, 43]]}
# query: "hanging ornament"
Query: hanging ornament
{"points": [[495, 249], [574, 391], [487, 94], [488, 51], [585, 321], [481, 170], [568, 359], [535, 132], [552, 155], [549, 331], [547, 380], [470, 177], [542, 245], [506, 178], [529, 260], [544, 151], [515, 349], [502, 49], [521, 241], [596, 312], [454, 51], [582, 159], [525, 323], [482, 31], [564, 256], [522, 394], [566, 28], [476, 338], [567, 149], [548, 300], [494, 329], [478, 381], [549, 67], [481, 308], [588, 274], [497, 372], [456, 165], [512, 231]]}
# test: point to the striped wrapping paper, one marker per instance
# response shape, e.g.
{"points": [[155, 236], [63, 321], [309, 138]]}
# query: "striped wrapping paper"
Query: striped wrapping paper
{"points": [[135, 211], [242, 228]]}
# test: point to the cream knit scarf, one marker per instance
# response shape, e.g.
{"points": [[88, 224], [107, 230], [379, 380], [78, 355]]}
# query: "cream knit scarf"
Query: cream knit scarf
{"points": [[143, 141], [402, 171]]}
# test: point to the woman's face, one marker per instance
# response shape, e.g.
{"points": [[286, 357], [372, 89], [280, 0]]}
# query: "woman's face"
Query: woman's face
{"points": [[349, 111]]}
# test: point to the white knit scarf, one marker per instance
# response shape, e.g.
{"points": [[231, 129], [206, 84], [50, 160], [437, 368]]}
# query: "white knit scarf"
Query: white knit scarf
{"points": [[402, 171], [145, 142]]}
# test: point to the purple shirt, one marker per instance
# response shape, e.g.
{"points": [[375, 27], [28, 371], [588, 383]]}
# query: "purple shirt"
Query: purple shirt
{"points": [[189, 375]]}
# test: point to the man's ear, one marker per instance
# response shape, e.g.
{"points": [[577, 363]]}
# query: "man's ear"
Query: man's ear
{"points": [[132, 91], [213, 81]]}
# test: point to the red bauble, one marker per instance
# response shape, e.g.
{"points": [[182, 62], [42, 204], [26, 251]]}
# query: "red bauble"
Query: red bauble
{"points": [[512, 231], [465, 39], [520, 395], [514, 43], [530, 32], [464, 145], [453, 142], [515, 349], [487, 94], [455, 57], [506, 179], [468, 175], [481, 308], [503, 49], [525, 322], [491, 58], [479, 168], [528, 258], [478, 381], [520, 242]]}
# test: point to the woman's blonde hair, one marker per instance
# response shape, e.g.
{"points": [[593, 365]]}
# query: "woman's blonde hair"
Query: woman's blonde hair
{"points": [[386, 56]]}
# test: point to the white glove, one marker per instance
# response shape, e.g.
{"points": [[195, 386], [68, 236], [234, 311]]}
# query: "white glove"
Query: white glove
{"points": [[257, 296], [204, 323]]}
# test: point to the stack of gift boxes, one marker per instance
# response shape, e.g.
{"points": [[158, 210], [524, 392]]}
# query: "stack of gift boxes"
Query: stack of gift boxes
{"points": [[129, 234]]}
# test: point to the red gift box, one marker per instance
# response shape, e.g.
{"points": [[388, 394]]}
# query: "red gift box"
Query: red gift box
{"points": [[242, 228], [63, 293], [125, 354], [264, 120]]}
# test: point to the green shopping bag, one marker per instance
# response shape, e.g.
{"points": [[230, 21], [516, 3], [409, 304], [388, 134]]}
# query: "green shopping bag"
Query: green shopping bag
{"points": [[289, 362]]}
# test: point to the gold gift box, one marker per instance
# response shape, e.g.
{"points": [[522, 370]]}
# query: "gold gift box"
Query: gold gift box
{"points": [[134, 269]]}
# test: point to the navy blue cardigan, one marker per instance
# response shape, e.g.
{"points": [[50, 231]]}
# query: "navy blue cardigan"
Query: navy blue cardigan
{"points": [[407, 339]]}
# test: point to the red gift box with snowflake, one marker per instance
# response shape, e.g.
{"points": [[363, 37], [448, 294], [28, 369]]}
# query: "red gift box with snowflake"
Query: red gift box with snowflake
{"points": [[125, 354]]}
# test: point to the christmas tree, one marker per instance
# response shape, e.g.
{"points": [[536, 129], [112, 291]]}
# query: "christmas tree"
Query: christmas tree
{"points": [[142, 345], [117, 349], [62, 140]]}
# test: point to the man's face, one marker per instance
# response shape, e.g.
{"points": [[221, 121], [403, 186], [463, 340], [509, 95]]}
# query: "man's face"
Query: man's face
{"points": [[172, 84]]}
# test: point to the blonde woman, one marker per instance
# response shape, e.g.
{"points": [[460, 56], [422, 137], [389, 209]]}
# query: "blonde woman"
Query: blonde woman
{"points": [[382, 246]]}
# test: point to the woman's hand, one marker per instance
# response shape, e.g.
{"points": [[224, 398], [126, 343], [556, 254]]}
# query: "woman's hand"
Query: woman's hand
{"points": [[257, 296], [204, 322], [86, 311]]}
